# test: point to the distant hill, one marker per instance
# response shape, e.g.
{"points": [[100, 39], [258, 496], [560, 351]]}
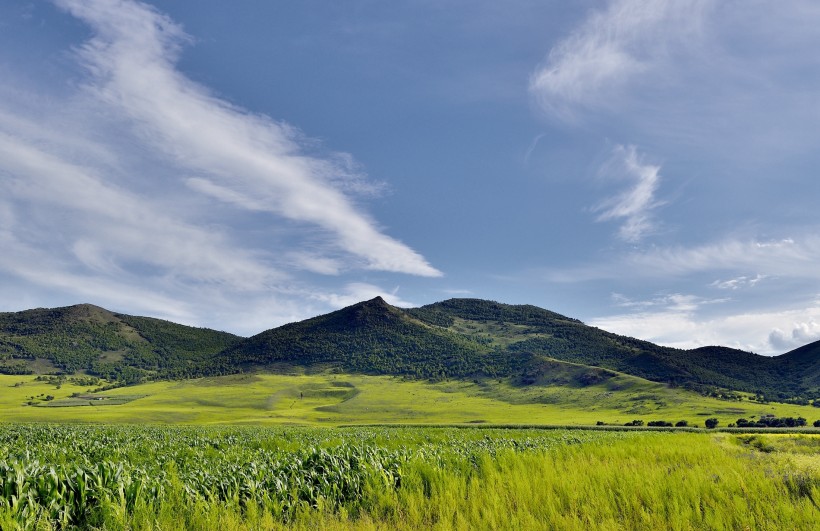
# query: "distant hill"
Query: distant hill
{"points": [[529, 329], [803, 363], [456, 338], [88, 339]]}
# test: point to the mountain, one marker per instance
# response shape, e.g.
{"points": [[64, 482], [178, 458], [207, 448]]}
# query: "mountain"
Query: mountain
{"points": [[803, 363], [461, 338], [376, 338], [86, 338], [529, 329], [456, 338]]}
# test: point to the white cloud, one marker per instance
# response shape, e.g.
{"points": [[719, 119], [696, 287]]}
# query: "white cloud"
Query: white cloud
{"points": [[634, 206], [454, 292], [740, 282], [135, 188], [616, 45], [801, 334], [110, 226], [772, 318], [360, 291], [671, 302], [786, 257], [247, 160], [764, 332], [728, 79], [794, 258]]}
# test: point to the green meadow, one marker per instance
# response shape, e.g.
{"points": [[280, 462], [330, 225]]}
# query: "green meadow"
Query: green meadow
{"points": [[328, 398], [272, 451]]}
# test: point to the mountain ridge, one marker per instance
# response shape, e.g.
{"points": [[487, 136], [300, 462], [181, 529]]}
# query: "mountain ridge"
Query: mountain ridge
{"points": [[454, 338]]}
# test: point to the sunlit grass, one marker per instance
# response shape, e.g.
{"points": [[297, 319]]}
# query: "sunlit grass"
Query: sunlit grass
{"points": [[449, 478], [334, 399]]}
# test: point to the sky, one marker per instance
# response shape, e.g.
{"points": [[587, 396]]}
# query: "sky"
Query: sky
{"points": [[647, 167]]}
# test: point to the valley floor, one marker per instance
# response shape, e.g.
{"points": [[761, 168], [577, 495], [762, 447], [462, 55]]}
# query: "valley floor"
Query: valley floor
{"points": [[332, 399]]}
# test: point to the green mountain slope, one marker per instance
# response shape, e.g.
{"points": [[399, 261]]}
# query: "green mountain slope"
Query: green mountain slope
{"points": [[463, 338], [86, 338], [532, 330], [373, 337], [803, 364], [456, 338]]}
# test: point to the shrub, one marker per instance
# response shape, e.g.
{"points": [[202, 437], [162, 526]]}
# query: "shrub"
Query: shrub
{"points": [[711, 423]]}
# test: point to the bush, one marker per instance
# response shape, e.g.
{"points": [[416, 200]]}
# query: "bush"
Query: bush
{"points": [[711, 423], [770, 421], [681, 424]]}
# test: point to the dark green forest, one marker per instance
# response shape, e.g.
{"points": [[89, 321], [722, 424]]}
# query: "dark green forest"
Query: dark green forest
{"points": [[452, 339], [92, 340]]}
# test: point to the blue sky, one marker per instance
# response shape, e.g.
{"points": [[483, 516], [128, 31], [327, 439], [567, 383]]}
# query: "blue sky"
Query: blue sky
{"points": [[647, 167]]}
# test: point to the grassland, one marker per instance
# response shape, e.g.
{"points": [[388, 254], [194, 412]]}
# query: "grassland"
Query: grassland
{"points": [[172, 477], [326, 398], [270, 451]]}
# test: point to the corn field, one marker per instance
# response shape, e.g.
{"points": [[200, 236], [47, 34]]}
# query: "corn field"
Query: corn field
{"points": [[161, 477]]}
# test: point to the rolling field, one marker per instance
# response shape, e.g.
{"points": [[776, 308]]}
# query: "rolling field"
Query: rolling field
{"points": [[264, 451], [338, 399]]}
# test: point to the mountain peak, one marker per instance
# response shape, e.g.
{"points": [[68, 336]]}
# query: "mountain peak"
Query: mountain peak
{"points": [[376, 301], [89, 312], [376, 310]]}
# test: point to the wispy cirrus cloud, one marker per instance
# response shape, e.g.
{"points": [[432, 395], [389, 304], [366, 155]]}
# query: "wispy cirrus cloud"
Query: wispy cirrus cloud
{"points": [[131, 186], [686, 74], [791, 257], [670, 302], [114, 226], [633, 206], [132, 62], [613, 48], [741, 282]]}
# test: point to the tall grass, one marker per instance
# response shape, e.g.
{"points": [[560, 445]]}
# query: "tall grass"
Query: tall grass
{"points": [[407, 478]]}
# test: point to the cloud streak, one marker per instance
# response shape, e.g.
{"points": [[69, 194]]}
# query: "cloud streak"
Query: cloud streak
{"points": [[793, 258], [247, 160], [634, 206], [613, 48], [131, 186]]}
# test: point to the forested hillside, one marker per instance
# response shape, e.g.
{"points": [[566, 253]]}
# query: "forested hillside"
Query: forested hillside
{"points": [[532, 330], [92, 340], [456, 338], [375, 338]]}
